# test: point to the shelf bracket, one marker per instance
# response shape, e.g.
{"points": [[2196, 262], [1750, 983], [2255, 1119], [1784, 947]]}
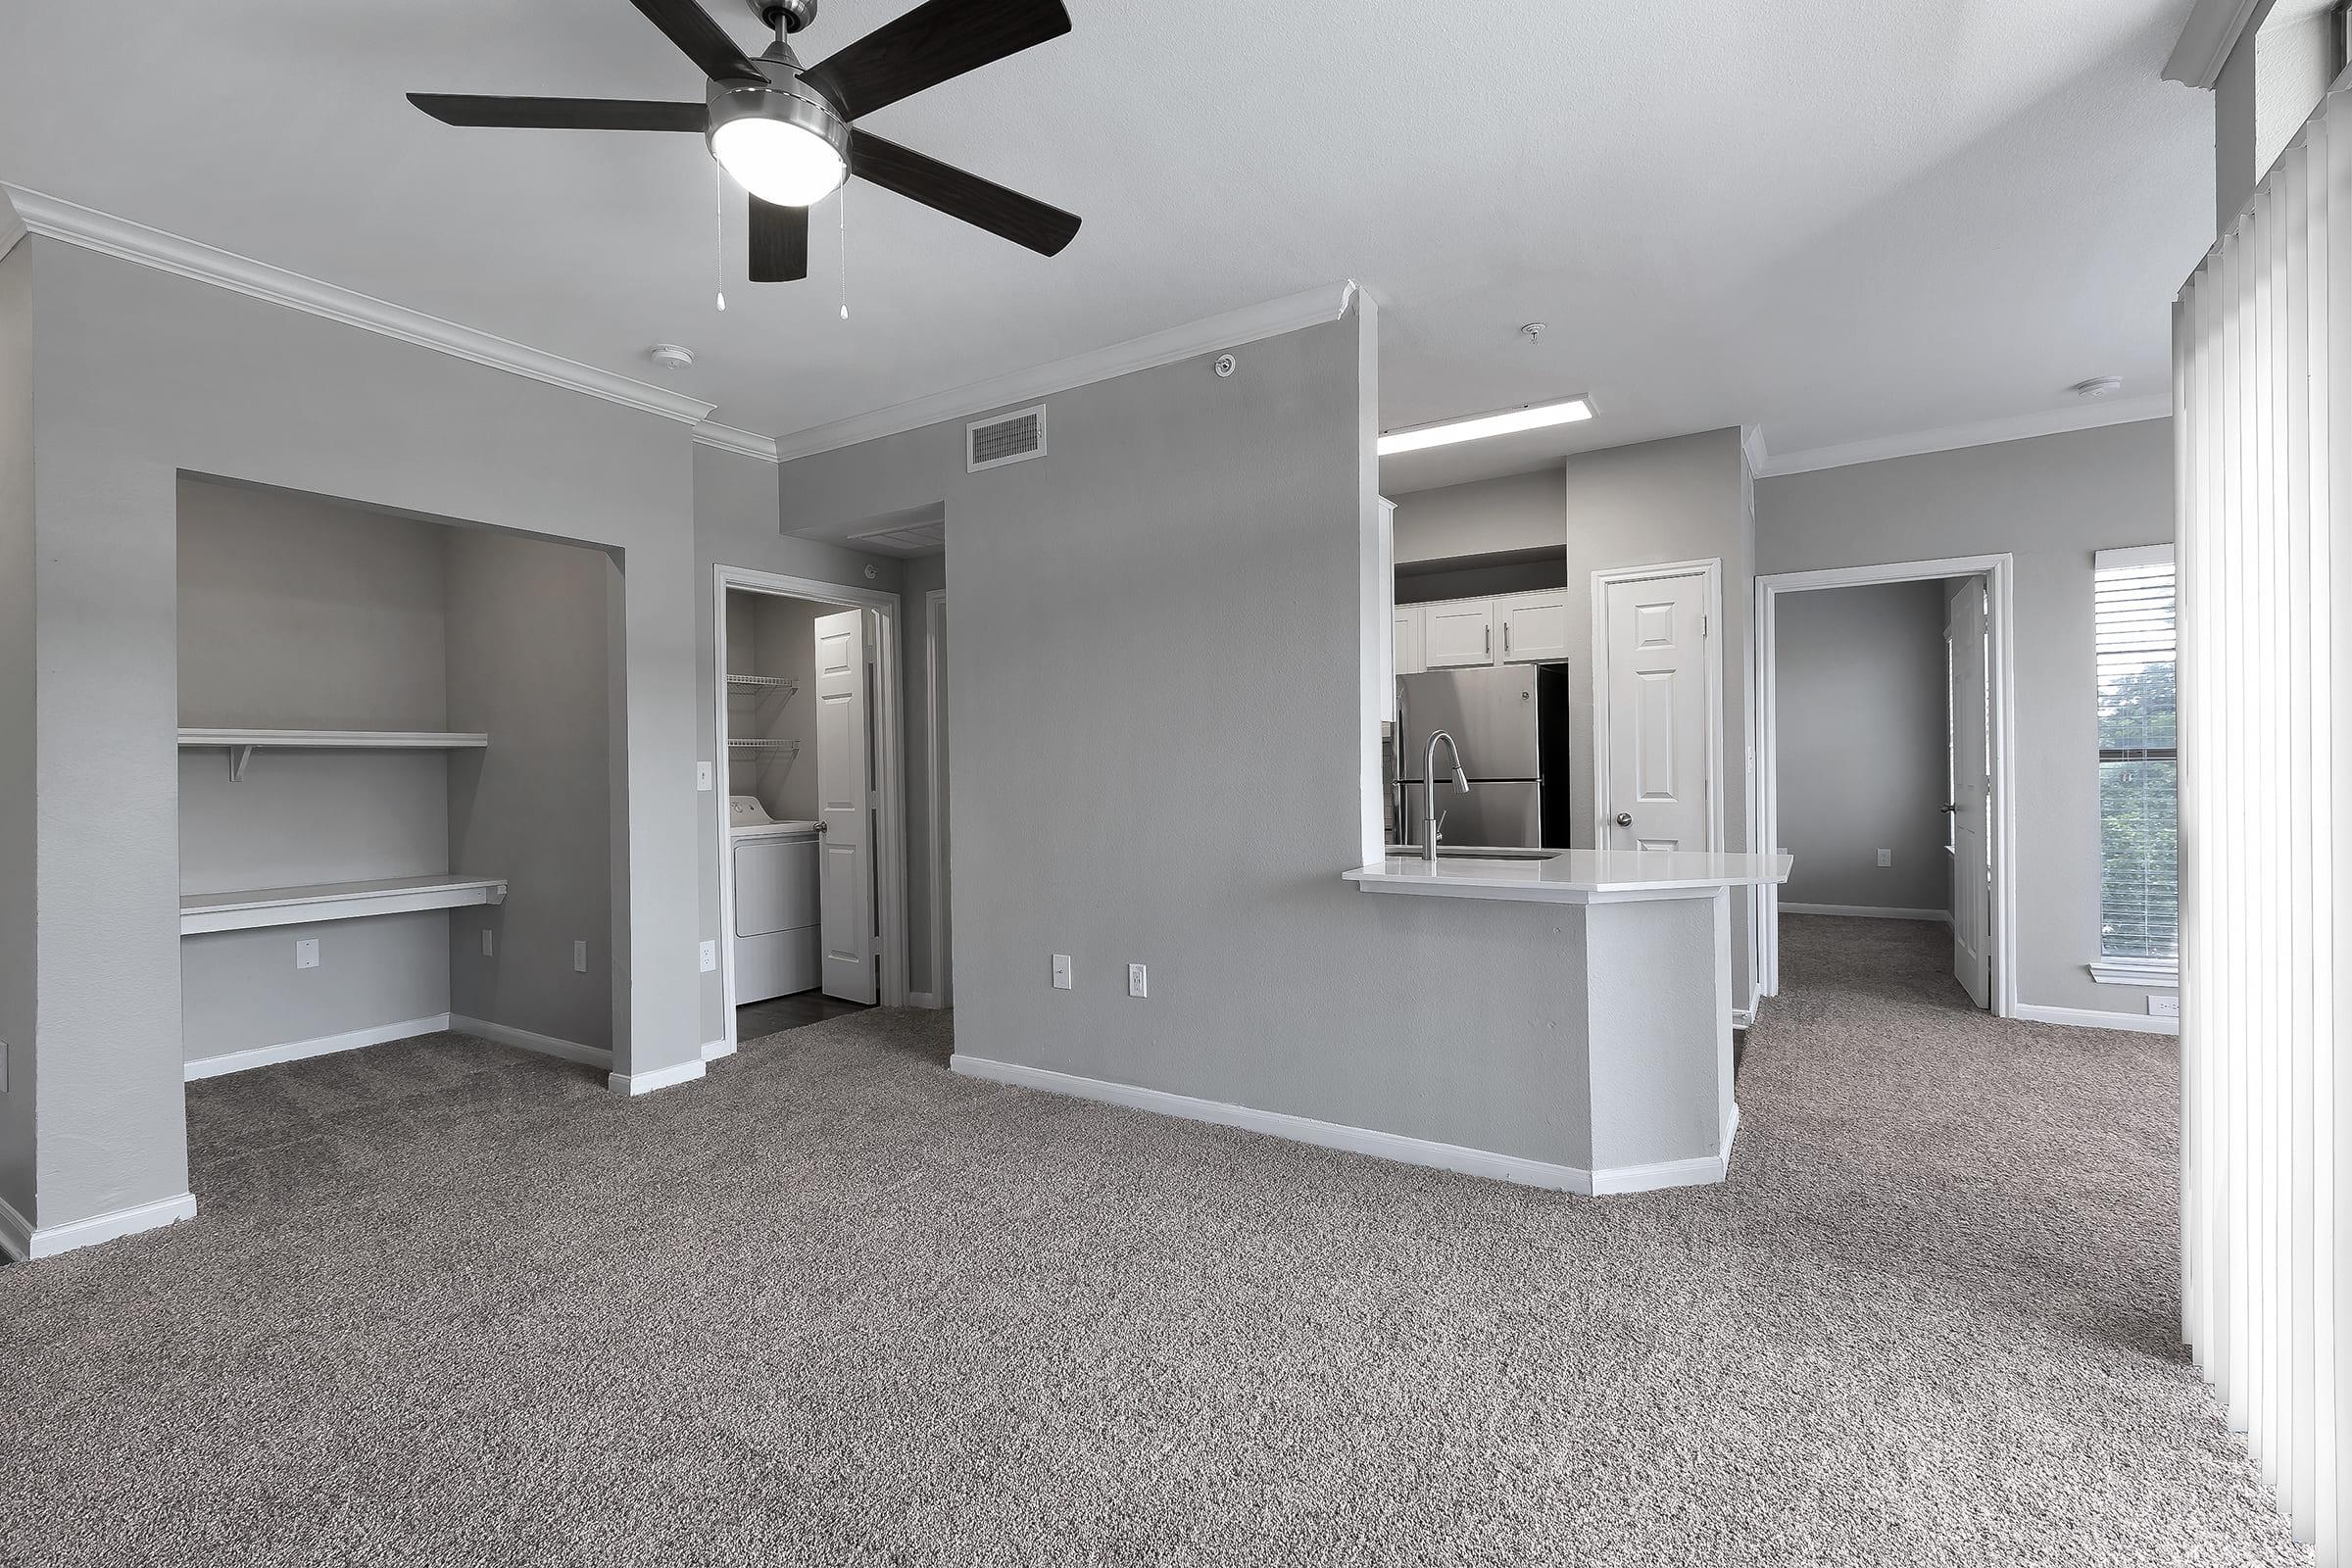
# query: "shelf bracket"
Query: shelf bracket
{"points": [[238, 756]]}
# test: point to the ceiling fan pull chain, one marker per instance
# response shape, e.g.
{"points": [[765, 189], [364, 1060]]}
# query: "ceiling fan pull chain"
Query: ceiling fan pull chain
{"points": [[840, 213], [718, 225]]}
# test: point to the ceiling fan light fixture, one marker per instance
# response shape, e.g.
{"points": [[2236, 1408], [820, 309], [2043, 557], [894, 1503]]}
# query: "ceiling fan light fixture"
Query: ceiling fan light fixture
{"points": [[780, 144]]}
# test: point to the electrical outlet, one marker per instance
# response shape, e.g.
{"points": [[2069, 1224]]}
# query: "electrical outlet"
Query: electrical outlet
{"points": [[710, 957], [306, 953], [1885, 858], [1061, 971], [702, 776], [2163, 1007], [1136, 985], [489, 942], [579, 957]]}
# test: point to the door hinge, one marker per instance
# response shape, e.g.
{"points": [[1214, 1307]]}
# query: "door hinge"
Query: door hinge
{"points": [[1703, 623]]}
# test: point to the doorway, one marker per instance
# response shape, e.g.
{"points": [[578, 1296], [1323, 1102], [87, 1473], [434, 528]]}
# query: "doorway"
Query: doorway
{"points": [[1963, 609], [811, 850]]}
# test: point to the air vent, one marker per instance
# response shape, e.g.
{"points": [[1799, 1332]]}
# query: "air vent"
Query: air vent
{"points": [[1007, 438]]}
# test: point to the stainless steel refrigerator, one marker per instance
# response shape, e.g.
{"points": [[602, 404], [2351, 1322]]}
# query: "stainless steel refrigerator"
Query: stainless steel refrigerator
{"points": [[1511, 724]]}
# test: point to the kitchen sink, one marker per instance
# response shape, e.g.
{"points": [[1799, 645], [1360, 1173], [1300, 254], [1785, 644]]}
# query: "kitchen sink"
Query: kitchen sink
{"points": [[1471, 851]]}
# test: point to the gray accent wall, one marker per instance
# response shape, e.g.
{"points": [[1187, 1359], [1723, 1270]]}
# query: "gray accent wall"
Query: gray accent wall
{"points": [[2051, 501], [19, 734], [529, 665], [1863, 760]]}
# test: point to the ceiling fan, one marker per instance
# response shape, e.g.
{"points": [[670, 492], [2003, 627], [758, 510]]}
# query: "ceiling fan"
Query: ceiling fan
{"points": [[784, 132]]}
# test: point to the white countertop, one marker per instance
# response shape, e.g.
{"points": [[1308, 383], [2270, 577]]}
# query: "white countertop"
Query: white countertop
{"points": [[1575, 877]]}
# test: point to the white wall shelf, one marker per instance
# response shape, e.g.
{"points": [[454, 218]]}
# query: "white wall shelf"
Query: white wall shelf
{"points": [[241, 743], [254, 909], [762, 683], [762, 743]]}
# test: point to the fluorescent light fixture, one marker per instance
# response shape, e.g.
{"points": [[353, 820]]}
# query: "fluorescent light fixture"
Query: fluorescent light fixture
{"points": [[1536, 416]]}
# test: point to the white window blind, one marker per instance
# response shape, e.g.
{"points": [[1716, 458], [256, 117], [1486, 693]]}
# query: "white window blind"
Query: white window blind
{"points": [[2262, 386], [2140, 767]]}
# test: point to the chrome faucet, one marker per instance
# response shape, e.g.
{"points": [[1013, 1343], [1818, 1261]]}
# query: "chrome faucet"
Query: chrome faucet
{"points": [[1428, 783]]}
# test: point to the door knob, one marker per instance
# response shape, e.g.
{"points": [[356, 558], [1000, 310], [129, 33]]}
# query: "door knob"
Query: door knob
{"points": [[1625, 819], [1951, 810]]}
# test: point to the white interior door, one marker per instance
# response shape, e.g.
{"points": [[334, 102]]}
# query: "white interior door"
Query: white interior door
{"points": [[845, 802], [1657, 789], [1972, 791]]}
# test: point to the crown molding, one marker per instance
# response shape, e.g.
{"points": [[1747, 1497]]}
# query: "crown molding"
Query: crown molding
{"points": [[1254, 323], [726, 438], [2208, 39], [12, 227], [1751, 442], [120, 237], [1952, 438]]}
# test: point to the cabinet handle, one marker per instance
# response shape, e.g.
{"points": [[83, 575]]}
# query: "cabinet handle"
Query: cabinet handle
{"points": [[1490, 639], [1507, 639]]}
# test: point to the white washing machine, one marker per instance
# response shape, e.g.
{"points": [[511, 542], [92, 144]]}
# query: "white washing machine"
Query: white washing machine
{"points": [[776, 923]]}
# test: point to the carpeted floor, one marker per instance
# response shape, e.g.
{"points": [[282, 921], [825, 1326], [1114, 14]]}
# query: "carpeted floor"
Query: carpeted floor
{"points": [[446, 1303]]}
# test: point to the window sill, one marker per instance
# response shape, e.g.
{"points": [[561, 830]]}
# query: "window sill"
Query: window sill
{"points": [[2160, 974]]}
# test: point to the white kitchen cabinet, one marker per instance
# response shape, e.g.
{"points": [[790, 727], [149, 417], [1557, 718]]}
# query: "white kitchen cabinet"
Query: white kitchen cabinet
{"points": [[1408, 640], [1532, 628], [1458, 634]]}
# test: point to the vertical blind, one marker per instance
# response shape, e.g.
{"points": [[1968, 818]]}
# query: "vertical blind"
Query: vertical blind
{"points": [[2263, 451], [2139, 770]]}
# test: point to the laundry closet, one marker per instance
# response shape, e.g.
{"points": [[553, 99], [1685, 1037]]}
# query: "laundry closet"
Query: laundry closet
{"points": [[397, 781], [799, 838]]}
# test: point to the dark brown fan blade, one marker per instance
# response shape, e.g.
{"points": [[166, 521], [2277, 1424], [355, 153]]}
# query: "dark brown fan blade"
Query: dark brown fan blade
{"points": [[562, 113], [928, 45], [779, 242], [983, 203], [706, 42]]}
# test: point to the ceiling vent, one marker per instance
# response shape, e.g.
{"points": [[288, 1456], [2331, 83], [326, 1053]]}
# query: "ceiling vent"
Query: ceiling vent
{"points": [[1007, 438]]}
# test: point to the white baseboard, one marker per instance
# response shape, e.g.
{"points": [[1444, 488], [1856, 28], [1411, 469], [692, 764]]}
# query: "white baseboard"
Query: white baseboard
{"points": [[324, 1046], [1867, 911], [922, 998], [645, 1082], [1705, 1171], [2138, 1023], [1356, 1139], [712, 1049], [21, 1241], [525, 1040]]}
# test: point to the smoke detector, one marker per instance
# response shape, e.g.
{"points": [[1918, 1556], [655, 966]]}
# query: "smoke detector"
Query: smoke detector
{"points": [[2098, 386], [671, 355]]}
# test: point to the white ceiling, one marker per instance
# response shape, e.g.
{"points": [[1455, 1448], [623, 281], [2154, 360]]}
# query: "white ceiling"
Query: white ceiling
{"points": [[1838, 220]]}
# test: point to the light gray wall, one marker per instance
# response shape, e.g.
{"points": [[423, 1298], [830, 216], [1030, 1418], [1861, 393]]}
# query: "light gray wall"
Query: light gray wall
{"points": [[142, 374], [242, 990], [2052, 503], [1862, 745], [923, 573], [1160, 728], [1485, 516], [739, 521], [20, 655], [529, 665], [298, 613]]}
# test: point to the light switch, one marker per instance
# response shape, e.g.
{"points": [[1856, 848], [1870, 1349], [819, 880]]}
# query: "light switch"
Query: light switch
{"points": [[1137, 983], [1885, 858], [306, 953], [702, 776], [579, 957], [1061, 971]]}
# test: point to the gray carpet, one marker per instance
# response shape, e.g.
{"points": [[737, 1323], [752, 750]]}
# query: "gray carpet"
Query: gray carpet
{"points": [[447, 1304]]}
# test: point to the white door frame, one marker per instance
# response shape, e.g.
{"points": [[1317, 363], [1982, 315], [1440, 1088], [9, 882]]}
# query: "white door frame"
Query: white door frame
{"points": [[1999, 572], [943, 982], [1712, 571], [890, 865]]}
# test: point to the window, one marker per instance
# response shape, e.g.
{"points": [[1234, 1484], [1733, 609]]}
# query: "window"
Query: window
{"points": [[2139, 769]]}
